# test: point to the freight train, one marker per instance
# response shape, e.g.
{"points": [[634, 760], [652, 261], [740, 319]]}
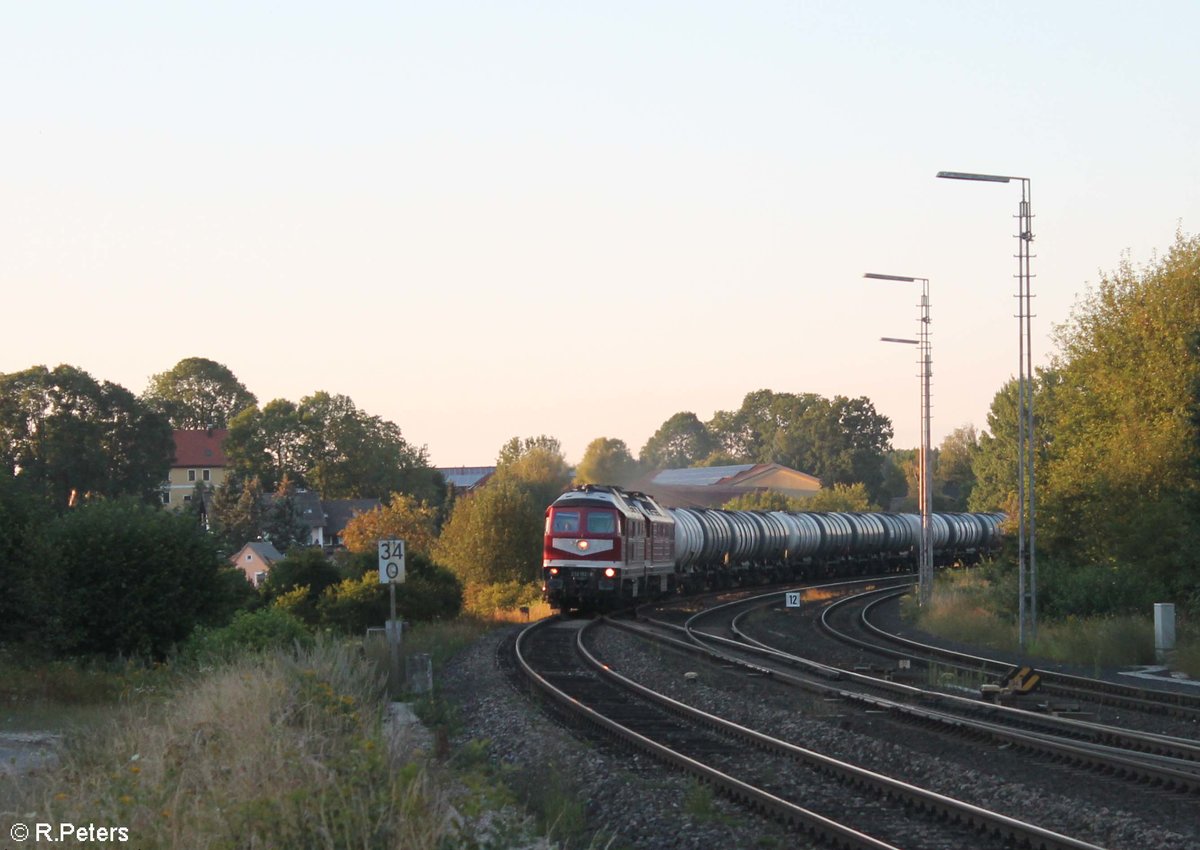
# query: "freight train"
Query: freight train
{"points": [[605, 547]]}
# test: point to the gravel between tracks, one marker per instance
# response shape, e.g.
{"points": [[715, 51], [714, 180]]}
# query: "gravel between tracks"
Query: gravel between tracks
{"points": [[631, 801]]}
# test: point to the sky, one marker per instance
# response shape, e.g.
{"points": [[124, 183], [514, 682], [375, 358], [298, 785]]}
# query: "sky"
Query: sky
{"points": [[487, 220]]}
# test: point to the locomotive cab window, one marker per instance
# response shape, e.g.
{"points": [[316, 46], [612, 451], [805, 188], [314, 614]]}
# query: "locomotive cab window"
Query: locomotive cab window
{"points": [[601, 522], [566, 521]]}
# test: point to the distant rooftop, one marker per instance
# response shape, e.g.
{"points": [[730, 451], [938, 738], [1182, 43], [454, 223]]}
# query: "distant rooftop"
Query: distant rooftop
{"points": [[703, 476], [465, 477]]}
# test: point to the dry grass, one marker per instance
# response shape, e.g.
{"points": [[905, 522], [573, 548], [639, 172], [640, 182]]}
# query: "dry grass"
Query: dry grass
{"points": [[962, 610], [267, 752]]}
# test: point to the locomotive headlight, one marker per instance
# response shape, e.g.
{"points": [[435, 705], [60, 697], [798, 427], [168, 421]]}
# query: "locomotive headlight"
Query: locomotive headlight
{"points": [[581, 545], [554, 571], [610, 573]]}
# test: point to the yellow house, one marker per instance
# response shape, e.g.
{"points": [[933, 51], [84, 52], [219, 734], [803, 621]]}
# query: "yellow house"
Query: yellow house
{"points": [[199, 459]]}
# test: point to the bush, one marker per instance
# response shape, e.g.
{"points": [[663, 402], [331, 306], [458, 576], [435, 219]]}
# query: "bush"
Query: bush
{"points": [[429, 592], [265, 629], [123, 578], [1095, 590], [486, 599]]}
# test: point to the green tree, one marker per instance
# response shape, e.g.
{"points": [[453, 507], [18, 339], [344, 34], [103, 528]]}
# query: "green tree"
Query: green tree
{"points": [[840, 440], [682, 441], [994, 467], [607, 461], [764, 500], [536, 466], [494, 535], [841, 497], [236, 513], [64, 433], [23, 515], [197, 393], [327, 444], [954, 475], [268, 444], [358, 602], [282, 523], [123, 577], [1124, 458], [299, 580]]}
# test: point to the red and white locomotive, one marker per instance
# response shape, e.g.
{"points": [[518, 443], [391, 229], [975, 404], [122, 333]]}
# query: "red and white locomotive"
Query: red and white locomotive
{"points": [[603, 542]]}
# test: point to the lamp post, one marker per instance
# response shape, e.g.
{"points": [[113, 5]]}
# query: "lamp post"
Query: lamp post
{"points": [[925, 569], [1026, 480]]}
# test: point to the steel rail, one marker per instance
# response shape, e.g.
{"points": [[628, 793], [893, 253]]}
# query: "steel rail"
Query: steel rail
{"points": [[811, 822], [1162, 760], [1181, 705], [975, 817]]}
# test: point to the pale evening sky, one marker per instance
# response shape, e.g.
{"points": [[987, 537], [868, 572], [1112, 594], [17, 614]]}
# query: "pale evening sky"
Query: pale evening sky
{"points": [[486, 220]]}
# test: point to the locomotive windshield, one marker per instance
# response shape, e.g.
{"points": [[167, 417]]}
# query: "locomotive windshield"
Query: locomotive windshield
{"points": [[566, 521], [601, 522]]}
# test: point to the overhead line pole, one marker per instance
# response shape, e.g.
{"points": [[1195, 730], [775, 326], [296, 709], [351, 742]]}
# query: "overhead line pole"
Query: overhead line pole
{"points": [[925, 568], [1026, 445]]}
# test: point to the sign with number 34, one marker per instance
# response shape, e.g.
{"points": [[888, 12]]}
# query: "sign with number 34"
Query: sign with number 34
{"points": [[391, 561]]}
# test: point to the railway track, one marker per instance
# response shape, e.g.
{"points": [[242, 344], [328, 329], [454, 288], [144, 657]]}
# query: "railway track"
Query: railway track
{"points": [[554, 656], [1178, 704], [1162, 761]]}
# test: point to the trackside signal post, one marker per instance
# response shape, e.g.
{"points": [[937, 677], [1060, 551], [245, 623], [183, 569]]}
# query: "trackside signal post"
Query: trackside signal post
{"points": [[391, 573]]}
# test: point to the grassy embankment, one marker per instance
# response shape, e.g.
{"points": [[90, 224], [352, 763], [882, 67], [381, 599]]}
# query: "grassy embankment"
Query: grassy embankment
{"points": [[962, 610], [278, 749]]}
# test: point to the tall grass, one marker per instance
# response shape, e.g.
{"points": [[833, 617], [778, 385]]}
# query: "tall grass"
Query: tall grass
{"points": [[964, 609], [271, 751]]}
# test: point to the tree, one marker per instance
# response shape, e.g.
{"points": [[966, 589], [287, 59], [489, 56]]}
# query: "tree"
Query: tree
{"points": [[1121, 481], [299, 580], [681, 441], [123, 577], [494, 535], [994, 467], [63, 433], [749, 433], [403, 519], [429, 592], [236, 513], [765, 500], [268, 444], [954, 476], [607, 461], [23, 515], [841, 441], [326, 443], [841, 497], [282, 523], [535, 465], [197, 393]]}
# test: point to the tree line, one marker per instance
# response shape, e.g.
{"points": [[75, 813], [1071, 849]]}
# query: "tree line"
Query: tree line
{"points": [[1117, 446]]}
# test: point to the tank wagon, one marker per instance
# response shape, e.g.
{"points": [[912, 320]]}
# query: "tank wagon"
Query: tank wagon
{"points": [[605, 546]]}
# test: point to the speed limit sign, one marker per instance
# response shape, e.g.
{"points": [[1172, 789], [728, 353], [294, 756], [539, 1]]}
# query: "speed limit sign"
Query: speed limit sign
{"points": [[391, 561], [792, 599]]}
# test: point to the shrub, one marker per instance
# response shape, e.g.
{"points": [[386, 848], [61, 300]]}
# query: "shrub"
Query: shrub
{"points": [[124, 578], [265, 629]]}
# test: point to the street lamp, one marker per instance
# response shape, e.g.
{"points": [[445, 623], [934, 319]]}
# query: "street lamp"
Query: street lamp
{"points": [[1026, 480], [925, 569]]}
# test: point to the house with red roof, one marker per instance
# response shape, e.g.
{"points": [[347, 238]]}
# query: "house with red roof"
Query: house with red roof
{"points": [[199, 459]]}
